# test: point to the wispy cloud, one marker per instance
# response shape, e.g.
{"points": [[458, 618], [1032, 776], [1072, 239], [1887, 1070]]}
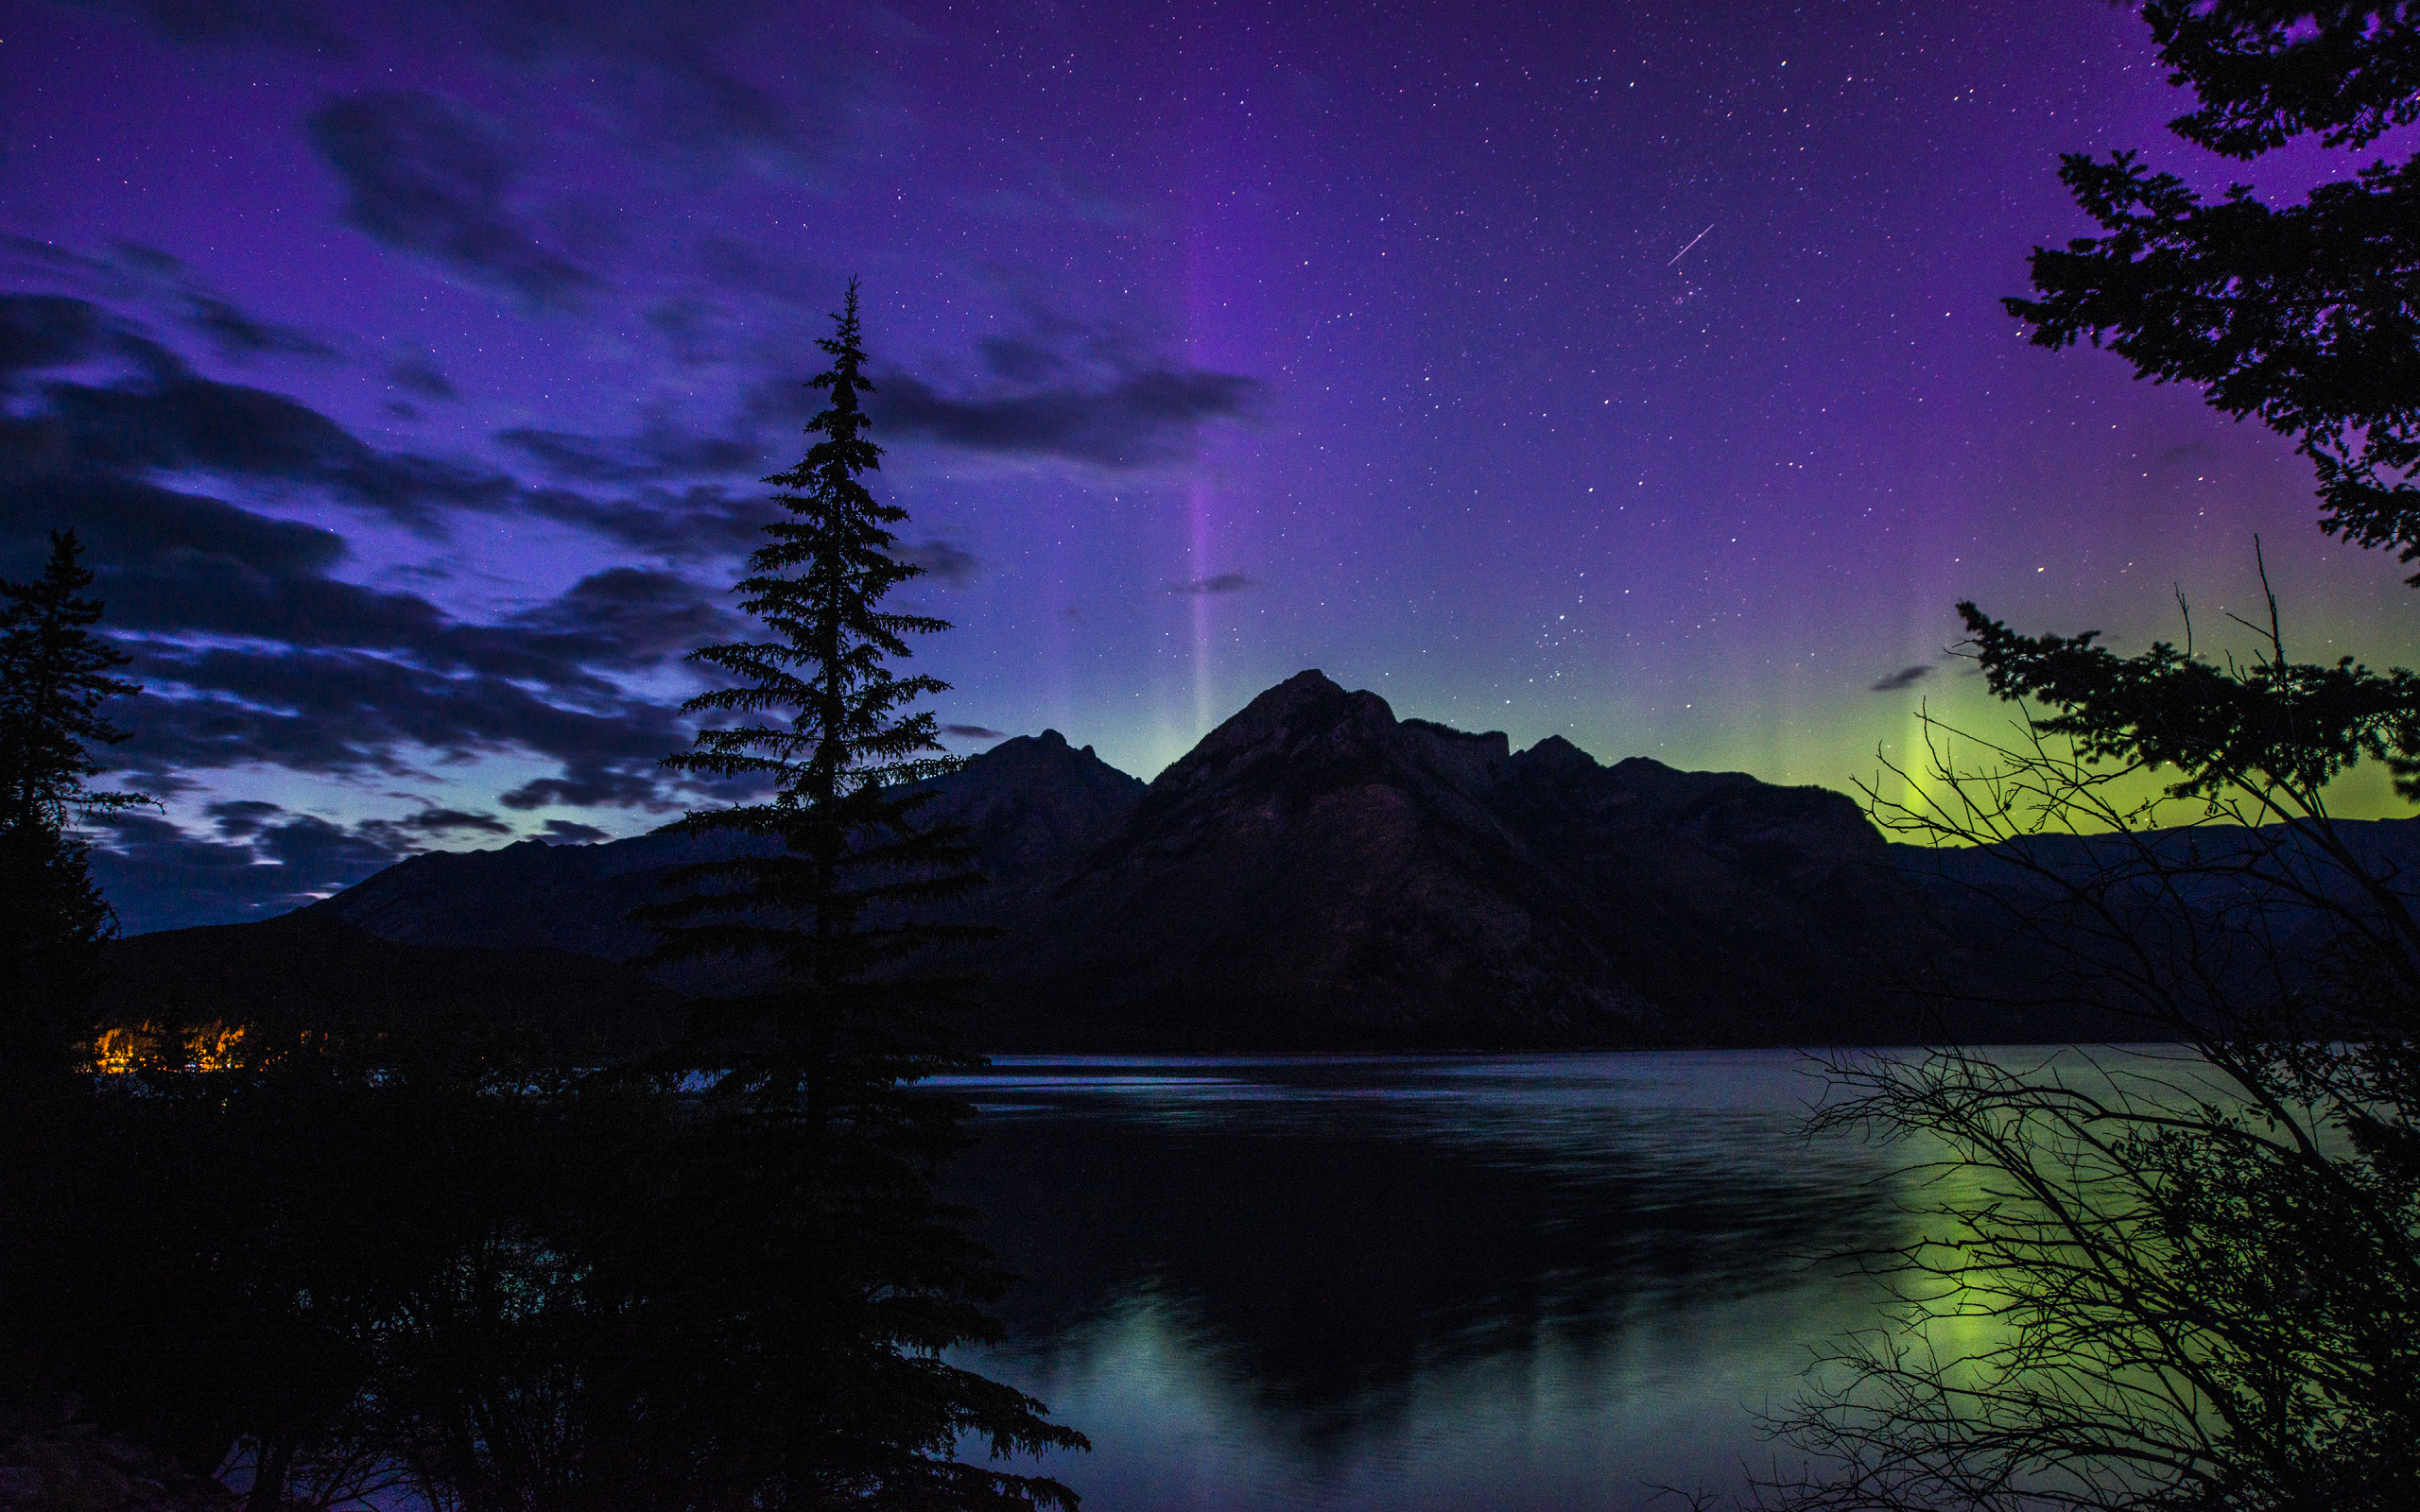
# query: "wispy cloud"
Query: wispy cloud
{"points": [[1222, 583], [1156, 414], [423, 178], [239, 335], [952, 566]]}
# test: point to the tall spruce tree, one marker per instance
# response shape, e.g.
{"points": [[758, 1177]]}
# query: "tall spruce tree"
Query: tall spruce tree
{"points": [[824, 1154], [825, 897], [55, 675]]}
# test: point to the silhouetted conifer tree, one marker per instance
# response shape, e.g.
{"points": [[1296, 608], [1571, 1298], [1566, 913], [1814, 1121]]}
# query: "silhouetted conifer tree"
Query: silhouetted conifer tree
{"points": [[826, 895], [823, 1152], [2306, 314], [55, 675], [2192, 1283], [399, 1253]]}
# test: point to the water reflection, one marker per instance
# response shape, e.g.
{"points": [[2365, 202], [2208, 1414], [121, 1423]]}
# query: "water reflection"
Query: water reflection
{"points": [[1542, 1281]]}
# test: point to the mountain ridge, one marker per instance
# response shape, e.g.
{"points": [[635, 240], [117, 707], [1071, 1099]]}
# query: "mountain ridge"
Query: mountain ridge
{"points": [[1315, 874], [1318, 873]]}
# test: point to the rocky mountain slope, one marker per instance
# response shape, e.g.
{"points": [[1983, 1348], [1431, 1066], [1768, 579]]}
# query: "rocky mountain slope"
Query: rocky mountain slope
{"points": [[1320, 874], [1030, 806], [1317, 872]]}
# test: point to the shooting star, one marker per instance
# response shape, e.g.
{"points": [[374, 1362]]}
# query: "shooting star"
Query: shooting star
{"points": [[1693, 241]]}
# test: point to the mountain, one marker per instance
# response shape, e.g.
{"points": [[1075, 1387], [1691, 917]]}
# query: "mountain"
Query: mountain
{"points": [[1031, 805], [2216, 913], [1317, 873], [2209, 867]]}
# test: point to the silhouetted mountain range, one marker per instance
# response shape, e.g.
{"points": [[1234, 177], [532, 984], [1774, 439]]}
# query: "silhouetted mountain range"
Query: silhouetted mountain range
{"points": [[1318, 874]]}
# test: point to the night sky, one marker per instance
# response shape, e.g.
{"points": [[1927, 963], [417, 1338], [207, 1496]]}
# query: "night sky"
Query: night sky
{"points": [[1634, 373]]}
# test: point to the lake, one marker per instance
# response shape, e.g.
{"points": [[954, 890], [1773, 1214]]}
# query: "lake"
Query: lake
{"points": [[1501, 1282]]}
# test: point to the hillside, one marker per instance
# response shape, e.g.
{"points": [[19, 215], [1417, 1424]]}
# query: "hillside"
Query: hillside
{"points": [[1317, 873]]}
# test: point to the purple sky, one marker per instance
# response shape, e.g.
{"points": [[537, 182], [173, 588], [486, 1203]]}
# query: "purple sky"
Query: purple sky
{"points": [[1634, 373]]}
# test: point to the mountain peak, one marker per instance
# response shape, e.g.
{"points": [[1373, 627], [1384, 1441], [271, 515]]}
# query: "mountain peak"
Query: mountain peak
{"points": [[1305, 715], [1309, 694], [1556, 754]]}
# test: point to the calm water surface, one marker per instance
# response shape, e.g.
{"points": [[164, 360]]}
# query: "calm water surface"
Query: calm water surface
{"points": [[1549, 1281]]}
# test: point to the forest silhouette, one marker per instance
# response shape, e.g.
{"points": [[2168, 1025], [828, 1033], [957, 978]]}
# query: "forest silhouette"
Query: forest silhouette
{"points": [[355, 1243]]}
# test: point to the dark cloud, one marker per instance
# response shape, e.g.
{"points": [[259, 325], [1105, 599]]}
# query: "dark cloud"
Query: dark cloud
{"points": [[445, 821], [166, 418], [564, 831], [732, 262], [592, 785], [148, 260], [54, 330], [1222, 583], [182, 423], [140, 529], [661, 64], [1155, 415], [702, 521], [237, 819], [46, 257], [973, 732], [253, 655], [635, 615], [1020, 361], [346, 713], [422, 377], [1904, 678], [279, 23], [701, 331], [40, 331], [953, 564], [161, 877], [237, 334], [662, 451], [424, 179], [258, 860], [167, 572]]}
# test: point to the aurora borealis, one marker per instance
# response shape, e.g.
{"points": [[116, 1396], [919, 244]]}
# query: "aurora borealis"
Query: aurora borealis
{"points": [[1634, 373]]}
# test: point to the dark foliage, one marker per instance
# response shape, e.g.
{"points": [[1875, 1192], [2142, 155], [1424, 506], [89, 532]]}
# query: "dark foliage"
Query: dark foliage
{"points": [[410, 1256], [815, 1070], [823, 719], [2306, 314], [2268, 71], [346, 1235], [2192, 1282], [55, 675], [309, 972], [2275, 724]]}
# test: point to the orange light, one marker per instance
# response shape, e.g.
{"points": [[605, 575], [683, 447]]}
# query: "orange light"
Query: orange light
{"points": [[213, 1046]]}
